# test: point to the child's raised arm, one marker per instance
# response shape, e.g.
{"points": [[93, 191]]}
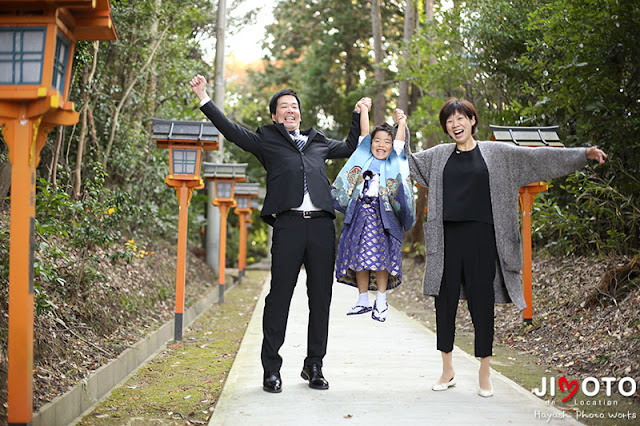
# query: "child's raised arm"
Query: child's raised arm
{"points": [[401, 119], [363, 107]]}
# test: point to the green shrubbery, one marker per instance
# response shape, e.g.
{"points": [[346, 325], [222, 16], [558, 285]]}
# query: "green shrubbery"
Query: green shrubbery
{"points": [[70, 234], [586, 214]]}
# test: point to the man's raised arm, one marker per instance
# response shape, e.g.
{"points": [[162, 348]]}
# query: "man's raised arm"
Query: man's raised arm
{"points": [[245, 139]]}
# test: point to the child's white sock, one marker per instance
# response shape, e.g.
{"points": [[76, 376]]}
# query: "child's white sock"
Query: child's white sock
{"points": [[380, 311], [362, 306], [363, 299]]}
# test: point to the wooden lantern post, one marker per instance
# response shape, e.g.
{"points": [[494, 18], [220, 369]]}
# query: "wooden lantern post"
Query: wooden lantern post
{"points": [[224, 177], [243, 193], [527, 194], [533, 137], [185, 140], [37, 39]]}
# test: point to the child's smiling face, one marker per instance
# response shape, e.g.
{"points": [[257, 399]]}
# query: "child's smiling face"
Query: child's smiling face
{"points": [[381, 144]]}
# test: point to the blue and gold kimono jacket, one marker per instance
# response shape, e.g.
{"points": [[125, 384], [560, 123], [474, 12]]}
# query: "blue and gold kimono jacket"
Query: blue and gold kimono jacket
{"points": [[397, 206]]}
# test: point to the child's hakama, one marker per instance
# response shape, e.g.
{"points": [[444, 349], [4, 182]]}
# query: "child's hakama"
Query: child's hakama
{"points": [[366, 246], [371, 239]]}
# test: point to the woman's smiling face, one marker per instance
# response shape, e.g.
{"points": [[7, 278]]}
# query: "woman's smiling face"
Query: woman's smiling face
{"points": [[459, 127]]}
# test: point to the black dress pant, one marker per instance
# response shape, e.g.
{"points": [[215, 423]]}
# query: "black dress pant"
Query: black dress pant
{"points": [[298, 241], [470, 260]]}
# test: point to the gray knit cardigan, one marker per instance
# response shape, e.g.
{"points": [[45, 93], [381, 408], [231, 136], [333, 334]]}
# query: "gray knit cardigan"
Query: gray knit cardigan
{"points": [[510, 167]]}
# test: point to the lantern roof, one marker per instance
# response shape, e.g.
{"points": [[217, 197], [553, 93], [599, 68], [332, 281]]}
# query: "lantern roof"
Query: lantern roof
{"points": [[527, 136], [87, 19], [247, 189], [233, 171], [166, 132]]}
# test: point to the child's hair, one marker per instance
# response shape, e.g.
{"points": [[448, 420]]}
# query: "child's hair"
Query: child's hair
{"points": [[384, 127]]}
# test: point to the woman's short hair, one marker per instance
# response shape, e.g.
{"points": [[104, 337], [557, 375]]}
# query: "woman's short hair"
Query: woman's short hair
{"points": [[273, 103], [463, 106], [384, 127]]}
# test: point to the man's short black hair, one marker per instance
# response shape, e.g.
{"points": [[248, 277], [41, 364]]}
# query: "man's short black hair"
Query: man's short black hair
{"points": [[273, 103]]}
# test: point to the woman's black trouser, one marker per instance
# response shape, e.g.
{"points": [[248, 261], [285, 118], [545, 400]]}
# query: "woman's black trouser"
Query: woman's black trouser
{"points": [[469, 261]]}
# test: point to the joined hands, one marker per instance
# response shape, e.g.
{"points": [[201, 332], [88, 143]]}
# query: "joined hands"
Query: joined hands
{"points": [[399, 116], [363, 103]]}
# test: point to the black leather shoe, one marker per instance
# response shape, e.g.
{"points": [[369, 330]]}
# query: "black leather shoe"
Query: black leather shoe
{"points": [[272, 382], [313, 374]]}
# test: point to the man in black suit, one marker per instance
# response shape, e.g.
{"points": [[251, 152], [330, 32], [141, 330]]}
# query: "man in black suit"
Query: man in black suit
{"points": [[299, 206]]}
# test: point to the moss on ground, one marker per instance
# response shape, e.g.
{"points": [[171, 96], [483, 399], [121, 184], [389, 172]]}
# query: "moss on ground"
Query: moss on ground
{"points": [[184, 382]]}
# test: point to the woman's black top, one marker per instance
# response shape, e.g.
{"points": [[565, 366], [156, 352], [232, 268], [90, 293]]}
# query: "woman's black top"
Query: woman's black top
{"points": [[466, 188]]}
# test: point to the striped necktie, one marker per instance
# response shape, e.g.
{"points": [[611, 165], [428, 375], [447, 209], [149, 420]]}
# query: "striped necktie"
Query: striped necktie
{"points": [[300, 141]]}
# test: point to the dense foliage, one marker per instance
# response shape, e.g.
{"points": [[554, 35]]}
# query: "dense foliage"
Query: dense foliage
{"points": [[100, 191], [101, 182], [571, 63]]}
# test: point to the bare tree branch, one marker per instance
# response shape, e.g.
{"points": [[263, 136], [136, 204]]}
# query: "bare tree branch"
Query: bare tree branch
{"points": [[127, 92]]}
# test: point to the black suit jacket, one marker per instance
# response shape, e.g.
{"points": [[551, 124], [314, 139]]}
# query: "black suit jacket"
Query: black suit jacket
{"points": [[285, 164]]}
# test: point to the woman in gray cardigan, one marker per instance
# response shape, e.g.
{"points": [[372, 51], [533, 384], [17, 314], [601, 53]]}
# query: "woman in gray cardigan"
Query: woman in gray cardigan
{"points": [[472, 236]]}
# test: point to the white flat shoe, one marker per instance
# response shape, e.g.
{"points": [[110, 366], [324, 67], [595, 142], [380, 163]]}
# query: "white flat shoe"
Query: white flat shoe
{"points": [[485, 393], [444, 386]]}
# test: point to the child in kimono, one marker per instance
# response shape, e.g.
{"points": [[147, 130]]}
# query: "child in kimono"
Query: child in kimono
{"points": [[374, 192]]}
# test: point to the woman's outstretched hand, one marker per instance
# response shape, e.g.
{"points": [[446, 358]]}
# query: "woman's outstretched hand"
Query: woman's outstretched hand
{"points": [[595, 153]]}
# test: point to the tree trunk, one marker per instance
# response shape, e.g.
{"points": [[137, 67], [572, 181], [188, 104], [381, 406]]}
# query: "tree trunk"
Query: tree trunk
{"points": [[432, 61], [416, 234], [127, 92], [409, 27], [5, 179], [212, 237], [378, 70], [87, 78], [77, 181], [350, 74], [56, 156], [153, 75], [92, 129], [218, 72]]}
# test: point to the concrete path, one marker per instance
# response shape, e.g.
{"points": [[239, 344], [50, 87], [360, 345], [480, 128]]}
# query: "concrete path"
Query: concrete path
{"points": [[379, 374]]}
